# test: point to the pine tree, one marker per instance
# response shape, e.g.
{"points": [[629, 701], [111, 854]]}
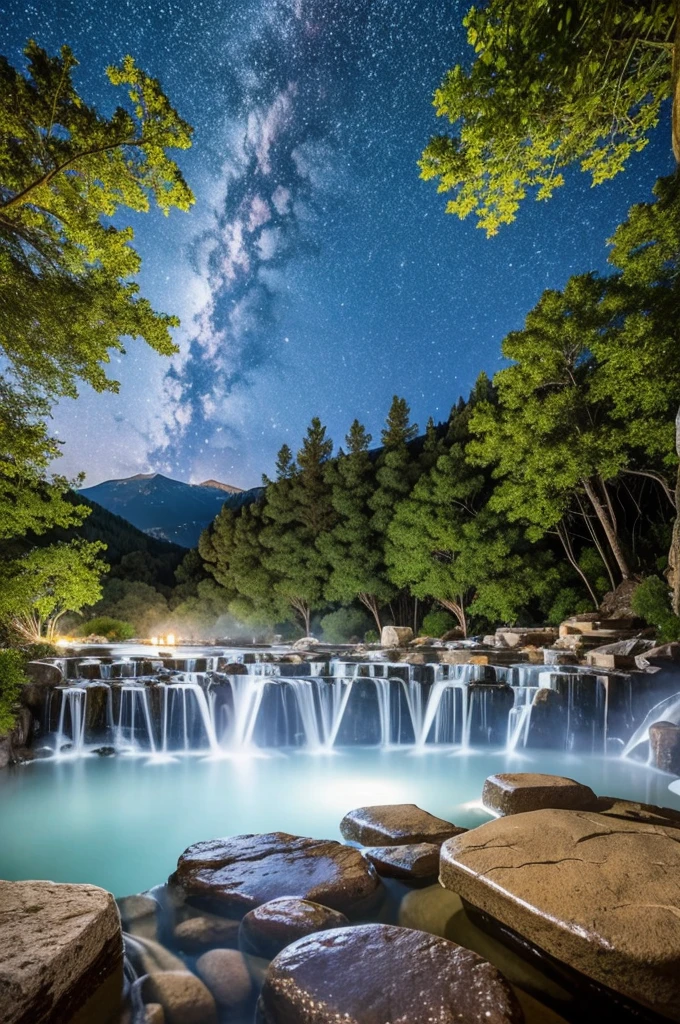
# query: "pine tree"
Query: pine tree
{"points": [[353, 548]]}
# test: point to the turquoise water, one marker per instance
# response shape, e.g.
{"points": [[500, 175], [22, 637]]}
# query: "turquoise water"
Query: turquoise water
{"points": [[122, 822]]}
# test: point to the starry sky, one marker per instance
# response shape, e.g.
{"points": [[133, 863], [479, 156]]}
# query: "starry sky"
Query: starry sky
{"points": [[316, 274]]}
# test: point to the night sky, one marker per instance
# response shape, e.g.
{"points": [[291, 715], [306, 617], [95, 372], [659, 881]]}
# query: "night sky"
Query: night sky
{"points": [[316, 274]]}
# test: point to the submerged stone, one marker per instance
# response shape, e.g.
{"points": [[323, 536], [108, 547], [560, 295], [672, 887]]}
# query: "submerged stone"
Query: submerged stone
{"points": [[516, 792], [596, 893], [395, 825], [226, 974], [377, 973], [183, 997], [233, 876], [61, 948], [206, 931], [268, 929], [416, 860]]}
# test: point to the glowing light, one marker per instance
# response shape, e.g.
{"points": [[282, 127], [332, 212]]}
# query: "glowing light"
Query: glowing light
{"points": [[170, 639], [62, 642], [154, 641]]}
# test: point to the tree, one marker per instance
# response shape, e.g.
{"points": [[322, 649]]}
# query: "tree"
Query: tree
{"points": [[38, 589], [297, 511], [66, 170], [552, 83], [354, 548], [552, 436]]}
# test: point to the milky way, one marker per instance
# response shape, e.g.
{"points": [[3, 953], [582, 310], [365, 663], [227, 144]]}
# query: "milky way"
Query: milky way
{"points": [[316, 274]]}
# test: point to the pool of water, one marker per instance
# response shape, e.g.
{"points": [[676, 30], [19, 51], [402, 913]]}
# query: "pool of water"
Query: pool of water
{"points": [[122, 822]]}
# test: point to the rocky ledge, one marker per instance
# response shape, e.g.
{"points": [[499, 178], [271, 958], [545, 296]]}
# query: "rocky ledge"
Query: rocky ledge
{"points": [[61, 952], [596, 893]]}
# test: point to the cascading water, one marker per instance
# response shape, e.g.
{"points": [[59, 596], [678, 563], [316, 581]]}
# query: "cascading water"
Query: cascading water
{"points": [[167, 706]]}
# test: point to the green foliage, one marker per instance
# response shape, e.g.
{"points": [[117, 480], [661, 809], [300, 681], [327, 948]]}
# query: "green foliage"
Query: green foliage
{"points": [[651, 600], [568, 601], [344, 625], [137, 603], [64, 168], [437, 622], [40, 587], [112, 629], [371, 636], [12, 679], [551, 84]]}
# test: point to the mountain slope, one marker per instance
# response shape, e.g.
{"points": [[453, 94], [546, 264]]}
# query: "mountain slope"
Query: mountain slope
{"points": [[167, 509]]}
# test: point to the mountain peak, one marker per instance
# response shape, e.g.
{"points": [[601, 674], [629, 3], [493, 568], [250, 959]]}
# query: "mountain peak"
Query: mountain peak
{"points": [[229, 488]]}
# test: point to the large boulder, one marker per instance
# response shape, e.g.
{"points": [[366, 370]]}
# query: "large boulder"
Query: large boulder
{"points": [[597, 893], [61, 947], [516, 792], [664, 742], [395, 825], [376, 973], [268, 929], [396, 636], [416, 860], [232, 876]]}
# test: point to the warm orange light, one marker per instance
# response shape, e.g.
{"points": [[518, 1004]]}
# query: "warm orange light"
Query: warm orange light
{"points": [[170, 639], [154, 641]]}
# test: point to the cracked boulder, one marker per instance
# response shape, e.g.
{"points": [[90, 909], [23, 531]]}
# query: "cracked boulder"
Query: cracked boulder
{"points": [[233, 876], [61, 952], [395, 825], [375, 973], [515, 792], [268, 929], [596, 893]]}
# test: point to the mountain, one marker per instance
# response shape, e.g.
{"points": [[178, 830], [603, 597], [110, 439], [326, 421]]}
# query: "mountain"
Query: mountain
{"points": [[168, 509]]}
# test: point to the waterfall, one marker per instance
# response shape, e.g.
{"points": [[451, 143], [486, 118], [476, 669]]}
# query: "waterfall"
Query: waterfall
{"points": [[519, 718], [73, 708], [133, 714], [450, 680], [667, 710]]}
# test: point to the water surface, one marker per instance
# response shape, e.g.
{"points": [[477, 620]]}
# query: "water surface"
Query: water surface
{"points": [[122, 822]]}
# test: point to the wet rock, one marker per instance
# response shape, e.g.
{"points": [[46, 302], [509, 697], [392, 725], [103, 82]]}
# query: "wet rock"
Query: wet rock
{"points": [[268, 929], [376, 973], [154, 1014], [235, 668], [597, 893], [621, 654], [60, 947], [105, 751], [548, 722], [96, 717], [452, 634], [233, 876], [396, 636], [149, 957], [183, 997], [513, 793], [138, 914], [5, 751], [226, 974], [206, 931], [631, 810], [44, 674], [489, 705], [416, 860], [518, 637], [664, 743], [664, 656], [395, 825]]}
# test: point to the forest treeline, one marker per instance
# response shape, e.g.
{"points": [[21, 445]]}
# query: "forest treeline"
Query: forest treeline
{"points": [[546, 487]]}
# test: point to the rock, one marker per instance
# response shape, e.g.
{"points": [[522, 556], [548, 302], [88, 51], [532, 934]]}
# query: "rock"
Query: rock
{"points": [[430, 910], [526, 637], [621, 654], [5, 751], [207, 931], [664, 743], [514, 793], [226, 974], [597, 893], [452, 634], [376, 973], [235, 668], [138, 914], [44, 673], [60, 947], [395, 825], [617, 603], [268, 929], [183, 996], [148, 956], [105, 751], [631, 810], [154, 1014], [489, 705], [554, 656], [233, 876], [548, 721], [304, 642], [416, 860], [663, 656], [396, 636]]}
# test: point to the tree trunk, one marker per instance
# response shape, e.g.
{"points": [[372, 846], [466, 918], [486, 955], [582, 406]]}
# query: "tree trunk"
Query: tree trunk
{"points": [[675, 81], [458, 610], [563, 534], [612, 536], [369, 601]]}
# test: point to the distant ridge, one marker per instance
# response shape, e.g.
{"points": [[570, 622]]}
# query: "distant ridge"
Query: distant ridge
{"points": [[168, 509], [229, 488]]}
